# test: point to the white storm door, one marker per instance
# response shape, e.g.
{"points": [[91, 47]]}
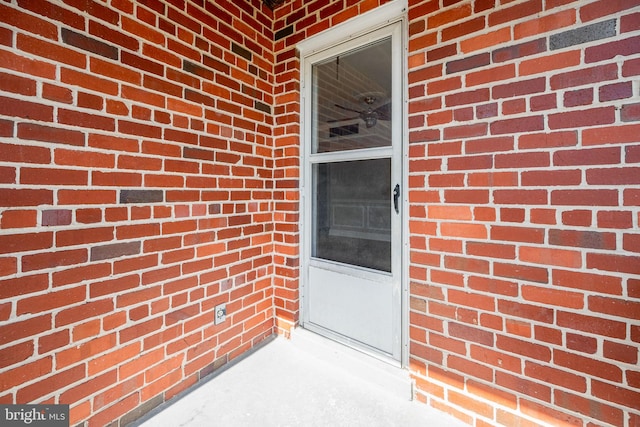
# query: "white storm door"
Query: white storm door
{"points": [[352, 219]]}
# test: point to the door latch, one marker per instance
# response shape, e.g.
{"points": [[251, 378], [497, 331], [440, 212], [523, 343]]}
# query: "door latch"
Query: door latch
{"points": [[396, 197]]}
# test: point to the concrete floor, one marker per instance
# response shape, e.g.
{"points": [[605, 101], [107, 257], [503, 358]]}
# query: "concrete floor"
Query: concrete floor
{"points": [[305, 381]]}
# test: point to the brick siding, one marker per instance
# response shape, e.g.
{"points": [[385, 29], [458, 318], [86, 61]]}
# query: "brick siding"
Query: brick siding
{"points": [[522, 284], [149, 167], [136, 194]]}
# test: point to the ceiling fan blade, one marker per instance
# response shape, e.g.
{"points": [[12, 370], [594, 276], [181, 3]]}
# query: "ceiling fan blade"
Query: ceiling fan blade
{"points": [[343, 119], [348, 109], [384, 111]]}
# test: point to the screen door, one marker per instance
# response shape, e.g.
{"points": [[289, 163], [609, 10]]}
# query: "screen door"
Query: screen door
{"points": [[352, 221]]}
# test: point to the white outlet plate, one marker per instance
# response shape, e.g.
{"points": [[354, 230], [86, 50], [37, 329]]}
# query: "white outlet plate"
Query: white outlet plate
{"points": [[220, 313]]}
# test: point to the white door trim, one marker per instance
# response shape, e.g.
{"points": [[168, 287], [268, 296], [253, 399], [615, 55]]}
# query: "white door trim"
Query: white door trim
{"points": [[367, 23], [355, 27]]}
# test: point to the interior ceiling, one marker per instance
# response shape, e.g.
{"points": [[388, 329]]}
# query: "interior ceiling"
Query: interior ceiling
{"points": [[348, 78]]}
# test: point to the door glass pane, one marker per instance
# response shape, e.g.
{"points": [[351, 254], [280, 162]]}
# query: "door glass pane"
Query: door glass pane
{"points": [[352, 213], [352, 99]]}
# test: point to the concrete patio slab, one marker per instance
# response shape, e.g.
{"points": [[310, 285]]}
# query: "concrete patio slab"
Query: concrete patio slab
{"points": [[305, 381]]}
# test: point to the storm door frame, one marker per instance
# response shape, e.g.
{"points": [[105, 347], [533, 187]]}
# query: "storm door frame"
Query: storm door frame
{"points": [[391, 13]]}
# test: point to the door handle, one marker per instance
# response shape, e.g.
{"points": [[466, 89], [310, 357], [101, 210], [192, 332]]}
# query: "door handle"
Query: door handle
{"points": [[396, 197]]}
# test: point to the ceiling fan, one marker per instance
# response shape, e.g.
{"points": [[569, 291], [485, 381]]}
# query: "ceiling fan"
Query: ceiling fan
{"points": [[369, 115]]}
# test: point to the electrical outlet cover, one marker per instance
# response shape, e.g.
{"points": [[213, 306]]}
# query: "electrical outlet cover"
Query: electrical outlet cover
{"points": [[220, 313]]}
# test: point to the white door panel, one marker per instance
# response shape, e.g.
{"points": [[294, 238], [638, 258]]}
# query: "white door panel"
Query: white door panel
{"points": [[359, 310]]}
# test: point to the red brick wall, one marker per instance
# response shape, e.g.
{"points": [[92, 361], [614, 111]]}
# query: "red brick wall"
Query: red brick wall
{"points": [[136, 191], [525, 208], [149, 165], [524, 202]]}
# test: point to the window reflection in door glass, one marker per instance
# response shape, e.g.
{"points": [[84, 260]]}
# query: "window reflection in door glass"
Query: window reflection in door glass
{"points": [[352, 213]]}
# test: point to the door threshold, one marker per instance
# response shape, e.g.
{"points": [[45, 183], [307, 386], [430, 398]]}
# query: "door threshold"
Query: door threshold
{"points": [[352, 344], [364, 366]]}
